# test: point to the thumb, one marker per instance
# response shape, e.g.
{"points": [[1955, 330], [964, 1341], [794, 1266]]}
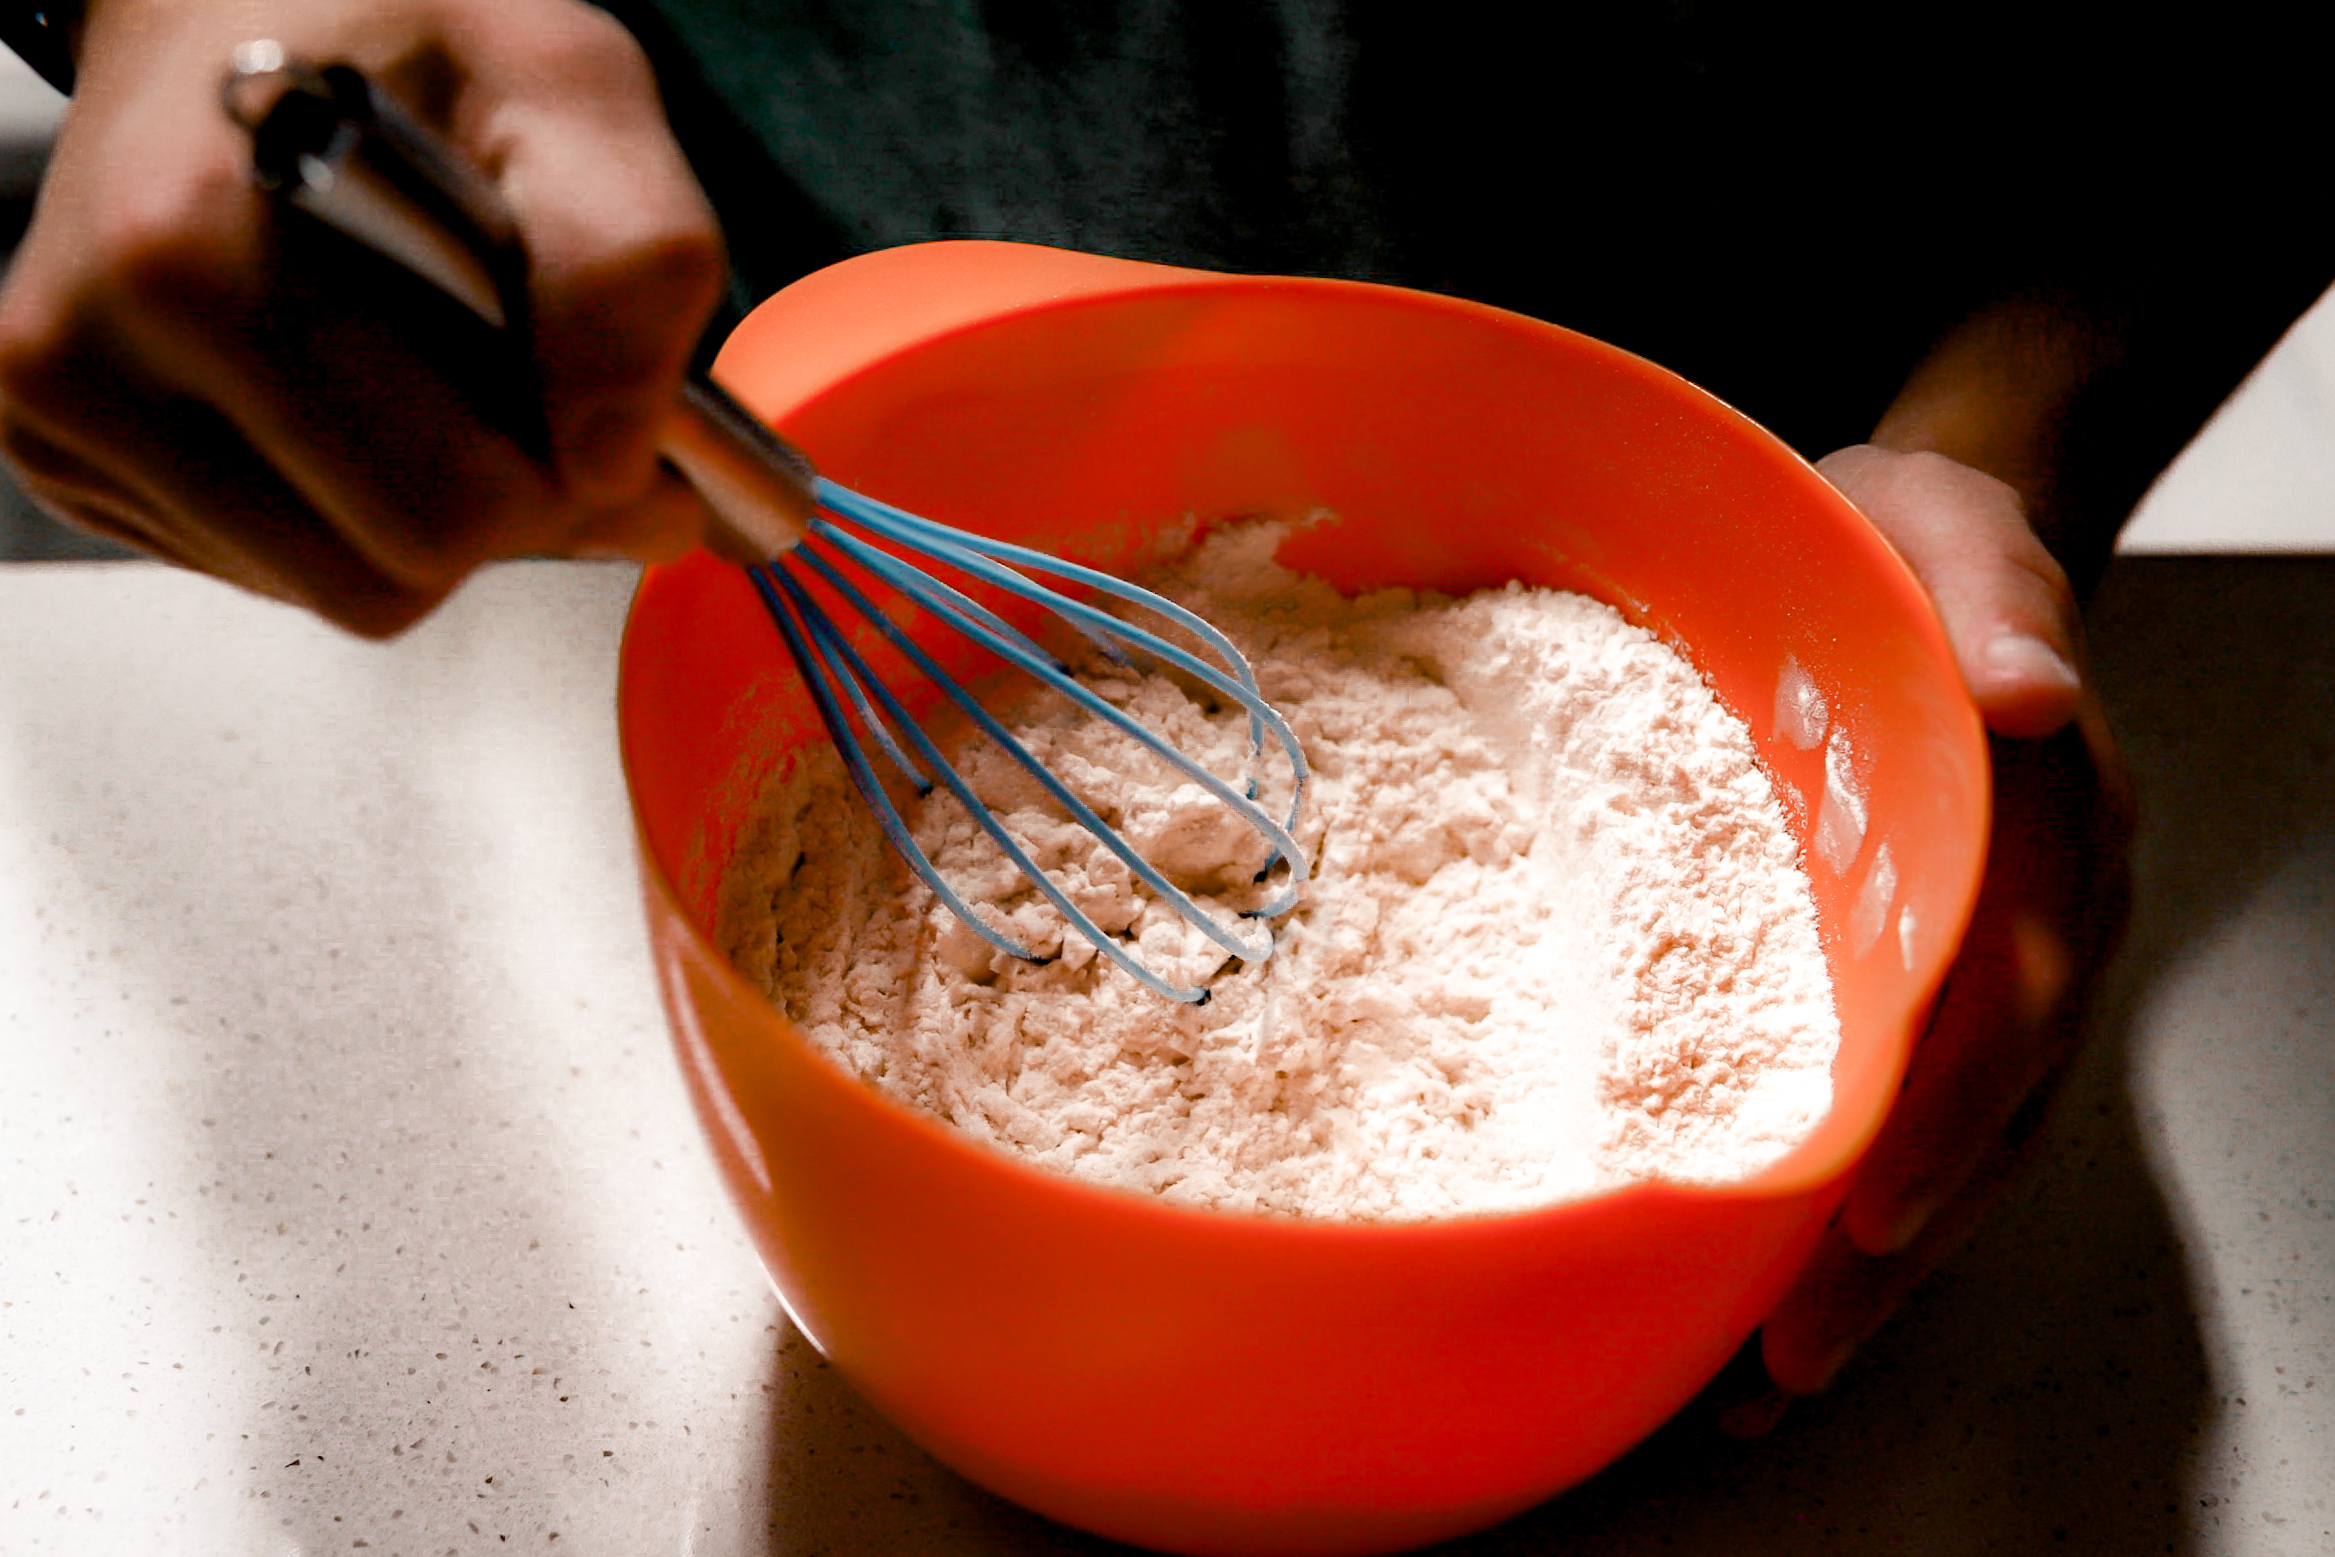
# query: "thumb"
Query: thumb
{"points": [[2005, 602]]}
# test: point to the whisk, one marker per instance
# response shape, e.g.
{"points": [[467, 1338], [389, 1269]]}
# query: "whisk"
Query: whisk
{"points": [[331, 143]]}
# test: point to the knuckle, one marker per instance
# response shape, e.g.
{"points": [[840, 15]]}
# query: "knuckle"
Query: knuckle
{"points": [[660, 252], [678, 270], [631, 319], [588, 48], [2027, 554], [430, 559], [39, 322], [172, 245]]}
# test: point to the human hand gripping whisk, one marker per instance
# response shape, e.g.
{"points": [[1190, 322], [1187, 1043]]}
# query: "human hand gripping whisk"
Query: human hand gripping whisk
{"points": [[329, 143]]}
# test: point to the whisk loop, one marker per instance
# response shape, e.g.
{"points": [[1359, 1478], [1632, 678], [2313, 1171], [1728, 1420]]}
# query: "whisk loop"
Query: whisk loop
{"points": [[852, 699]]}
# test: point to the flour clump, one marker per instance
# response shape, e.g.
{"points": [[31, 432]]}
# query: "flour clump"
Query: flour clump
{"points": [[1558, 938]]}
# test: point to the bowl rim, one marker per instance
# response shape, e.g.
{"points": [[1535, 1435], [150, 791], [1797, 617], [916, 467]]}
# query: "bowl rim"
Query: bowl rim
{"points": [[1061, 280]]}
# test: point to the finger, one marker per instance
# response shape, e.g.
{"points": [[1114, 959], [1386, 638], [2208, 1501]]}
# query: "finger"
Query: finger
{"points": [[665, 524], [328, 379], [90, 493], [625, 260], [86, 496], [2004, 600], [1845, 1293], [186, 280], [153, 470], [2051, 908]]}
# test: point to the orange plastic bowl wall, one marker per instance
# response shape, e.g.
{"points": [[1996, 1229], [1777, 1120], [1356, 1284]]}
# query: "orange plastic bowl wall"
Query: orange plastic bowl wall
{"points": [[1224, 1384]]}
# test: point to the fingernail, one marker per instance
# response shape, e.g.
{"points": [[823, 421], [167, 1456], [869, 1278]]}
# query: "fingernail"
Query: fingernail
{"points": [[1879, 1225], [2024, 658]]}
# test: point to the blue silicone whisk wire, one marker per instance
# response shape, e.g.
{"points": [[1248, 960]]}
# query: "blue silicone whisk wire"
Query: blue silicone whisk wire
{"points": [[857, 709]]}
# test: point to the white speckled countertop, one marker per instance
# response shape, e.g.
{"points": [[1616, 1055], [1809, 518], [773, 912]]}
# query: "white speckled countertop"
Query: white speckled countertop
{"points": [[349, 1198]]}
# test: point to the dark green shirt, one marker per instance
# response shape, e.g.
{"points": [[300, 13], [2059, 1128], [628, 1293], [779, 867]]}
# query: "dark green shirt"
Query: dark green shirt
{"points": [[1786, 204], [1788, 208]]}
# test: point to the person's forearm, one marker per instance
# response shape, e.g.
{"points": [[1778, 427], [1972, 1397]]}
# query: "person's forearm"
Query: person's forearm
{"points": [[2079, 399], [1996, 395]]}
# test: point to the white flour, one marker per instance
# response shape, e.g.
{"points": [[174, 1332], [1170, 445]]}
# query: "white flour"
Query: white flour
{"points": [[1558, 938]]}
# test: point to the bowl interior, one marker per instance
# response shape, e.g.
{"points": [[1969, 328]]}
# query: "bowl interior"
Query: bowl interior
{"points": [[1430, 443]]}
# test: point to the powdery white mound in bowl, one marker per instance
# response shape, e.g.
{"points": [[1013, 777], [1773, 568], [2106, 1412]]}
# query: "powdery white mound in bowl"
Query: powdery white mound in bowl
{"points": [[1218, 1383]]}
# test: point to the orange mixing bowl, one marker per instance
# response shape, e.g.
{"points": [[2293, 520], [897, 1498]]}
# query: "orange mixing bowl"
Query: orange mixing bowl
{"points": [[1214, 1383]]}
